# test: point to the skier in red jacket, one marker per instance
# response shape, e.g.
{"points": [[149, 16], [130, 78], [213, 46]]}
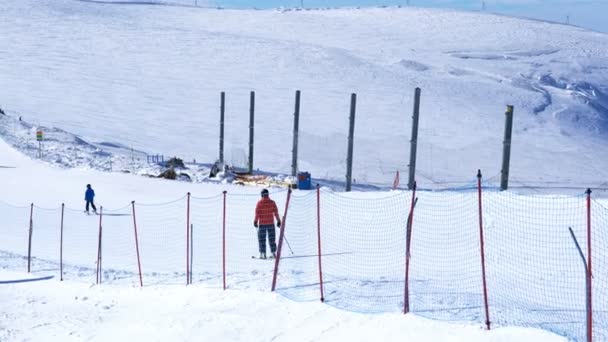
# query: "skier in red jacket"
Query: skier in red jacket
{"points": [[265, 212]]}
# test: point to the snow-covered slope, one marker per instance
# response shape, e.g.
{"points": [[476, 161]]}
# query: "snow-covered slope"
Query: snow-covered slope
{"points": [[149, 77], [53, 311], [38, 307]]}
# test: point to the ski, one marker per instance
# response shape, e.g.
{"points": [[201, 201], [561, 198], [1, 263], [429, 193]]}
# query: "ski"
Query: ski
{"points": [[267, 258]]}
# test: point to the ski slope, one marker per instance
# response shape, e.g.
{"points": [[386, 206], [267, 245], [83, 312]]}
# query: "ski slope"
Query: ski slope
{"points": [[147, 79], [40, 307], [150, 77]]}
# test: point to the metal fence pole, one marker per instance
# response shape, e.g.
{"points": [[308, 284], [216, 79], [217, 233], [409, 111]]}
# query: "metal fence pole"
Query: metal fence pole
{"points": [[61, 244], [408, 240], [319, 243], [506, 151], [351, 133], [414, 140], [482, 250], [141, 282], [588, 306], [99, 248], [29, 244], [224, 240], [251, 116], [188, 239], [589, 271], [296, 122], [222, 111]]}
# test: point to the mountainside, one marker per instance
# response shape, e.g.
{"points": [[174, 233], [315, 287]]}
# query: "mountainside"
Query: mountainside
{"points": [[111, 83], [150, 77]]}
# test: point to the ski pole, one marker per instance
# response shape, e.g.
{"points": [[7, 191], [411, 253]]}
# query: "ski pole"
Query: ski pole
{"points": [[285, 238]]}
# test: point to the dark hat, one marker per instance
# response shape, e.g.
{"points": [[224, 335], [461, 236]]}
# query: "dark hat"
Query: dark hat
{"points": [[264, 193], [88, 185]]}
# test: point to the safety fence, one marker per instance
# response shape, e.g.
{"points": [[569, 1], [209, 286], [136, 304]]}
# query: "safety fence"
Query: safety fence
{"points": [[491, 257]]}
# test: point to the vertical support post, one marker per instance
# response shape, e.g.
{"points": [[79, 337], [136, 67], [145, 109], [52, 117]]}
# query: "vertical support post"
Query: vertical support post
{"points": [[29, 243], [281, 237], [319, 241], [408, 239], [99, 247], [414, 139], [589, 272], [351, 133], [251, 124], [61, 245], [296, 123], [483, 258], [188, 239], [588, 306], [224, 242], [506, 150], [191, 249], [222, 111], [141, 282]]}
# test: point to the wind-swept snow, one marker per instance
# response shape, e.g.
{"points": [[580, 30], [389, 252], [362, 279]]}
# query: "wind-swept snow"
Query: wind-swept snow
{"points": [[111, 82], [149, 78], [38, 307]]}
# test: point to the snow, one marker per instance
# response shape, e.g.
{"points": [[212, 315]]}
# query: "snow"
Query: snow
{"points": [[111, 83], [164, 309], [168, 64], [69, 311]]}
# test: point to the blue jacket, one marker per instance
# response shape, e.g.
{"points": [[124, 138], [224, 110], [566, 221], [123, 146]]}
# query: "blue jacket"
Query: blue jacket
{"points": [[89, 194]]}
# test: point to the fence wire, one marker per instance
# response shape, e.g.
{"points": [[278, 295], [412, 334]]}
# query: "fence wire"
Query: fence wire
{"points": [[535, 275]]}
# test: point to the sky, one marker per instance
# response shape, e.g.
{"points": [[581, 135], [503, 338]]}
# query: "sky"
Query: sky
{"points": [[585, 13]]}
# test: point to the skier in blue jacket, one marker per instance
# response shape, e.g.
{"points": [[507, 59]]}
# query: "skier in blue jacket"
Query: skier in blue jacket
{"points": [[88, 196]]}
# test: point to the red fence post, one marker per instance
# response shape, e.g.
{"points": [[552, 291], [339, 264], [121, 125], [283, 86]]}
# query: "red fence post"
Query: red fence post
{"points": [[61, 245], [281, 236], [99, 248], [408, 239], [589, 274], [483, 258], [319, 241], [188, 240], [29, 244], [141, 282], [224, 242]]}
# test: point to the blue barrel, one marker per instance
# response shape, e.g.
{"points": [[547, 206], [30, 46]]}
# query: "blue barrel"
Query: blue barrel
{"points": [[304, 181]]}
